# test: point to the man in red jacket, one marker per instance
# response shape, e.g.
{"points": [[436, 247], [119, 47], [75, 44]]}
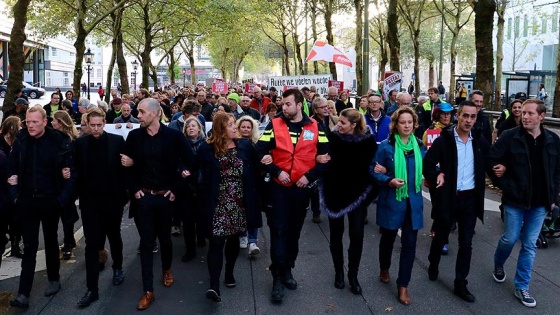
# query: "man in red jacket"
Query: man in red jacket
{"points": [[259, 101]]}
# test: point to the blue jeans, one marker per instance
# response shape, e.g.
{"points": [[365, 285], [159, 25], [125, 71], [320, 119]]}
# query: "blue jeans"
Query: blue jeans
{"points": [[526, 223], [252, 235]]}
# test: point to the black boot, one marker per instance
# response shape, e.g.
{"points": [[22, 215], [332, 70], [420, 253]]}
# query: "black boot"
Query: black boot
{"points": [[277, 294], [289, 281], [462, 291], [354, 284], [16, 250], [339, 280]]}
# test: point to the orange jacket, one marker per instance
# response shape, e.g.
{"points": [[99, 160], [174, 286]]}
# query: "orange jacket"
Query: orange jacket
{"points": [[294, 160]]}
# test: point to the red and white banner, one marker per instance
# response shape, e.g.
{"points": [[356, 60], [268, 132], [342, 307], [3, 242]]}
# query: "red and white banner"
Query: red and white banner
{"points": [[249, 87], [393, 81], [219, 87], [431, 136], [337, 84], [322, 51]]}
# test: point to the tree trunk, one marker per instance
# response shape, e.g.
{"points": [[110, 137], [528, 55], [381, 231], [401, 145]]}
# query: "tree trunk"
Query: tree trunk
{"points": [[330, 36], [191, 63], [122, 66], [80, 46], [431, 73], [452, 66], [286, 54], [499, 54], [314, 32], [556, 105], [15, 52], [393, 36], [416, 44], [172, 67], [145, 55], [299, 59], [484, 12], [110, 71], [359, 7]]}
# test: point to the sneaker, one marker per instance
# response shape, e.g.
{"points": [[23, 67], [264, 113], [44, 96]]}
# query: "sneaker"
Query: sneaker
{"points": [[66, 252], [243, 241], [253, 249], [155, 249], [499, 274], [525, 298], [445, 250], [175, 231]]}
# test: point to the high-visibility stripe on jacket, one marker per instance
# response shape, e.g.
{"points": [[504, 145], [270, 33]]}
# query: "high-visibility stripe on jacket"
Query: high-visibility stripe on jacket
{"points": [[294, 153]]}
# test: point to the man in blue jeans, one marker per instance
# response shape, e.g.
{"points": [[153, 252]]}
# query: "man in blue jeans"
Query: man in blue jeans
{"points": [[531, 181]]}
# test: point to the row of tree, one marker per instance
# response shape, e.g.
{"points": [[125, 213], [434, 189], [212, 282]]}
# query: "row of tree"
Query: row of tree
{"points": [[257, 34]]}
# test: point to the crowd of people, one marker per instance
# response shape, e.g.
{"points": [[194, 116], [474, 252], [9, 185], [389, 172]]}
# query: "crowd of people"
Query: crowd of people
{"points": [[277, 154]]}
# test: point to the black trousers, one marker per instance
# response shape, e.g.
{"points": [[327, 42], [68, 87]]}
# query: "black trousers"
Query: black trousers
{"points": [[99, 220], [216, 257], [4, 219], [465, 212], [285, 221], [33, 212], [188, 212], [356, 220], [153, 218]]}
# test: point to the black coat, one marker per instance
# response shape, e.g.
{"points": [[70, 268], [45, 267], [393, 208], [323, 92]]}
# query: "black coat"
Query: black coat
{"points": [[112, 179], [178, 153], [346, 185], [511, 151], [209, 188], [444, 153], [60, 146]]}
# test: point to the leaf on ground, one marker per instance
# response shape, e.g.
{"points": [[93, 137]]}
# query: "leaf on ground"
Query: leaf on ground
{"points": [[389, 309]]}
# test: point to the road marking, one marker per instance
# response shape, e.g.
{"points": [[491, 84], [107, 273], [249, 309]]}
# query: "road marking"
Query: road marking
{"points": [[11, 266]]}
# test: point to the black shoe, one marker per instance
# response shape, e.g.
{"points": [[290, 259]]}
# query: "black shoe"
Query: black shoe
{"points": [[213, 295], [229, 280], [289, 281], [20, 301], [354, 285], [433, 272], [339, 280], [52, 288], [188, 257], [462, 291], [88, 298], [155, 249], [16, 252], [118, 277], [277, 294], [66, 252]]}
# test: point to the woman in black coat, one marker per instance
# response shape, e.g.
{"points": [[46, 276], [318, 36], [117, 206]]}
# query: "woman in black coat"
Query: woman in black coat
{"points": [[347, 189], [228, 196]]}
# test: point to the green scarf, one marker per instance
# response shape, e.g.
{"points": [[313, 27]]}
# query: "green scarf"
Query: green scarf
{"points": [[400, 165]]}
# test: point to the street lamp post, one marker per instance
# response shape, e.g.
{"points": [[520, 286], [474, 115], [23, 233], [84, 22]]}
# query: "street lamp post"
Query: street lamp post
{"points": [[134, 67], [88, 59], [184, 77]]}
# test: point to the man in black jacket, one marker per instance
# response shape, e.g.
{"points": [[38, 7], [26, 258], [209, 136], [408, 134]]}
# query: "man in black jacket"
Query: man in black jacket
{"points": [[455, 166], [483, 123], [39, 191], [102, 194], [160, 155], [531, 182]]}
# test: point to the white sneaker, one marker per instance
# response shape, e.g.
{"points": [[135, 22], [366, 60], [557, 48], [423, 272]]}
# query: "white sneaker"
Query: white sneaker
{"points": [[253, 249], [243, 241]]}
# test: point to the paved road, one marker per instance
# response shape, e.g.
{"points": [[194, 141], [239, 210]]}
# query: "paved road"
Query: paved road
{"points": [[314, 272]]}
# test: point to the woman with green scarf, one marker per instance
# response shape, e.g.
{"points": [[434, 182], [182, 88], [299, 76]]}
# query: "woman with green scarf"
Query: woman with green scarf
{"points": [[397, 168]]}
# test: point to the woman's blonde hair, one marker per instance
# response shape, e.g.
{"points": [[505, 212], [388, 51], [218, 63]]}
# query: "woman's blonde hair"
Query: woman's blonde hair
{"points": [[67, 123], [255, 136], [355, 117], [188, 121], [219, 136]]}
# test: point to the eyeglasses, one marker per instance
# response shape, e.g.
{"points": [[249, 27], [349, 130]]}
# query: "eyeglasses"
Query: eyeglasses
{"points": [[406, 104], [374, 102], [321, 107]]}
